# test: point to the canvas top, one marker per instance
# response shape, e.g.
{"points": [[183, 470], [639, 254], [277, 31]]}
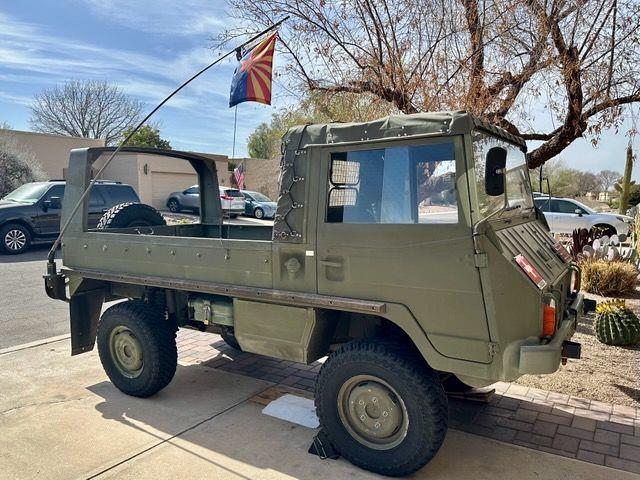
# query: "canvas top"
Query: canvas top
{"points": [[430, 123]]}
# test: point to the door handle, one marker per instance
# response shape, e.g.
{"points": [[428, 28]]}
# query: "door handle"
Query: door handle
{"points": [[328, 263]]}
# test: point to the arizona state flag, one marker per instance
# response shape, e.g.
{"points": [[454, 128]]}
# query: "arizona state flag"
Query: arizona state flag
{"points": [[252, 78]]}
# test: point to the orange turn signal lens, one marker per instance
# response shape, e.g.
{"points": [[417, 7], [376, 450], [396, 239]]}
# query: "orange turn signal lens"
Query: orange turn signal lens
{"points": [[548, 321]]}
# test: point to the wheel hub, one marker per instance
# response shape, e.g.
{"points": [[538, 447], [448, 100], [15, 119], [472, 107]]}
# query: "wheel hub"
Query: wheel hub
{"points": [[126, 351], [15, 239], [372, 412]]}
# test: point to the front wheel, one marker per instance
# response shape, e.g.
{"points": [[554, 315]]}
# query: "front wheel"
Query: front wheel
{"points": [[174, 205], [381, 406], [258, 213], [15, 238], [137, 348]]}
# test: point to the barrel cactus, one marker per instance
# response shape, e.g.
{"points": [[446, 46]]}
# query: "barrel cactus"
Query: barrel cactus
{"points": [[615, 324]]}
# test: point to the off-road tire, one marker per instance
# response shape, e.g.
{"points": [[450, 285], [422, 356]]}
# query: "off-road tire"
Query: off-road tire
{"points": [[258, 213], [174, 205], [18, 233], [131, 214], [415, 382], [230, 339], [157, 339]]}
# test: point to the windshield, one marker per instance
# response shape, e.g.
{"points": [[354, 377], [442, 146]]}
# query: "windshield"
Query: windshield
{"points": [[517, 188], [260, 197], [27, 193]]}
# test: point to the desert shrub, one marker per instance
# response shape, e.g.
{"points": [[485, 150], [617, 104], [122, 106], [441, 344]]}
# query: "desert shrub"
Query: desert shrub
{"points": [[608, 278]]}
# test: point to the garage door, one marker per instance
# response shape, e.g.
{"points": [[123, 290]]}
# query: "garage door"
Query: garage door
{"points": [[164, 183]]}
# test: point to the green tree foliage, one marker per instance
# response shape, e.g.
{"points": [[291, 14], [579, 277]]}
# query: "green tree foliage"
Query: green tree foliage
{"points": [[318, 107], [570, 182], [634, 195], [148, 137]]}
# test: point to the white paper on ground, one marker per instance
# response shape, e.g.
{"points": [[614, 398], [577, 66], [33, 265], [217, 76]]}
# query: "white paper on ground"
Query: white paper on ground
{"points": [[293, 409]]}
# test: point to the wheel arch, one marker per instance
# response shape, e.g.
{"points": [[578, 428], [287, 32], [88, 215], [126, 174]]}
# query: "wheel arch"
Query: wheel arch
{"points": [[399, 323], [20, 221]]}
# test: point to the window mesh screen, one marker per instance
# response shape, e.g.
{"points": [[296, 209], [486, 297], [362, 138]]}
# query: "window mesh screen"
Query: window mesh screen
{"points": [[344, 172], [342, 197]]}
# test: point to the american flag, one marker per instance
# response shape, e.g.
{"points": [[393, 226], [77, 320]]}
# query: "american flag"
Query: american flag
{"points": [[238, 173]]}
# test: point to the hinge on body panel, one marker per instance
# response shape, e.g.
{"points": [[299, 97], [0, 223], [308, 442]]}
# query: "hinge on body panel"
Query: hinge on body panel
{"points": [[494, 349], [480, 260]]}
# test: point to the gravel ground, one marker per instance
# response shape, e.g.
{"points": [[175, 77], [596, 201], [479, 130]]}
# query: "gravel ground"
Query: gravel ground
{"points": [[605, 373]]}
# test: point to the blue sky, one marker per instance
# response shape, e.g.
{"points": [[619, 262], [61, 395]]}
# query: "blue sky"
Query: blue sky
{"points": [[147, 47]]}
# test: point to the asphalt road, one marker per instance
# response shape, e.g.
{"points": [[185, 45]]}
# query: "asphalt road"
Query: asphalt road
{"points": [[26, 313]]}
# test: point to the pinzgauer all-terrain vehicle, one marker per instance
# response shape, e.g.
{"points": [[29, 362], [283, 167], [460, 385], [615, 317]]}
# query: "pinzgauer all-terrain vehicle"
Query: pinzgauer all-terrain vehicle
{"points": [[407, 249]]}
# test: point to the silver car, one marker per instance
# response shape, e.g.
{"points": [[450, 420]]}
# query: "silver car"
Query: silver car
{"points": [[564, 215], [231, 200]]}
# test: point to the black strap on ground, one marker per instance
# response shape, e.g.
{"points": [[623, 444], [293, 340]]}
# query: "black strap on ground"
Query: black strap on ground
{"points": [[322, 447]]}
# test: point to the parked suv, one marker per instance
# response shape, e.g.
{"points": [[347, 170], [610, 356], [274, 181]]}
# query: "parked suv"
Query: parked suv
{"points": [[231, 200], [564, 215], [31, 213]]}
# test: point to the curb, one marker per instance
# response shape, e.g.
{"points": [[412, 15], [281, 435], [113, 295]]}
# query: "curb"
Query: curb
{"points": [[36, 343]]}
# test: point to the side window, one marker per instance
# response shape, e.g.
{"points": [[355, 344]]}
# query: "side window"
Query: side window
{"points": [[543, 204], [122, 194], [55, 191], [192, 191], [562, 206], [95, 198], [398, 185]]}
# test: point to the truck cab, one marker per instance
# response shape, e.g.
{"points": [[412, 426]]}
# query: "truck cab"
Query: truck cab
{"points": [[408, 249]]}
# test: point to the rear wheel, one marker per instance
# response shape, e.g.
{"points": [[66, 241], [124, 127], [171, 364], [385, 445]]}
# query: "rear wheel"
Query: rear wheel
{"points": [[258, 213], [15, 239], [381, 406], [174, 205], [137, 348], [127, 215]]}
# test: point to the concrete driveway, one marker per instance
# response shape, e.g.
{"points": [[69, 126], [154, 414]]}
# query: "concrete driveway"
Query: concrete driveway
{"points": [[61, 418]]}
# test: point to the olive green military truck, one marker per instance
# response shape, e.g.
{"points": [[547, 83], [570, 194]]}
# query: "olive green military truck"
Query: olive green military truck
{"points": [[408, 250]]}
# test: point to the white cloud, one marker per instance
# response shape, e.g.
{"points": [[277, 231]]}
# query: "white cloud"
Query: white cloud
{"points": [[164, 17]]}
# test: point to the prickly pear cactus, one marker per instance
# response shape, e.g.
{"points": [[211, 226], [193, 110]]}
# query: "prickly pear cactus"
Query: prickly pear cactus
{"points": [[615, 324]]}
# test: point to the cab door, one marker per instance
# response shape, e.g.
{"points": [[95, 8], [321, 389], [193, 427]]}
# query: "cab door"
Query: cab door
{"points": [[567, 216], [394, 225], [48, 217]]}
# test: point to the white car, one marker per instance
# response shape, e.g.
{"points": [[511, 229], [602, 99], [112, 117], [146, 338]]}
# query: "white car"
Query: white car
{"points": [[564, 215], [231, 201]]}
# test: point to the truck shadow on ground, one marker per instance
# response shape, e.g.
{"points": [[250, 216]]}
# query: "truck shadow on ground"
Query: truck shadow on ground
{"points": [[225, 430], [556, 424]]}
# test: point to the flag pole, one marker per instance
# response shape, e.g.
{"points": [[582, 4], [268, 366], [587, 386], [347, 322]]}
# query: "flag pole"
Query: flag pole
{"points": [[235, 125], [51, 268]]}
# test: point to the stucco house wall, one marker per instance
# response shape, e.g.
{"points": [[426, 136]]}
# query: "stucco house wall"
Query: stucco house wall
{"points": [[51, 151]]}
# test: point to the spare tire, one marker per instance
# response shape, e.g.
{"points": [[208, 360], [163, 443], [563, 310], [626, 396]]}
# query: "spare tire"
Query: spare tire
{"points": [[127, 215]]}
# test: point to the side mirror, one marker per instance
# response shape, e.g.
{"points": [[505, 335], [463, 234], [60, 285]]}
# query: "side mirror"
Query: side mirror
{"points": [[495, 164], [578, 212]]}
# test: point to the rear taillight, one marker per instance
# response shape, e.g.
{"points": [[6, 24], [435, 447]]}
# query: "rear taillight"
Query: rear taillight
{"points": [[224, 196], [549, 320]]}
